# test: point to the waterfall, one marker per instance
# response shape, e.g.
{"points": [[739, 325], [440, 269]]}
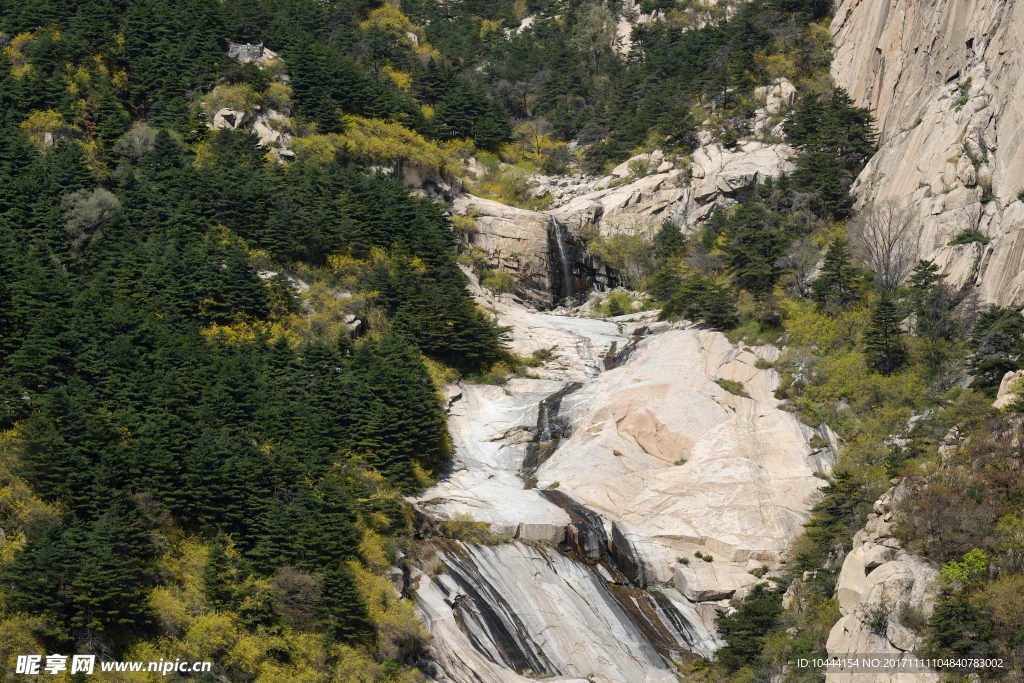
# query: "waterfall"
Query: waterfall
{"points": [[558, 230], [544, 417], [550, 432]]}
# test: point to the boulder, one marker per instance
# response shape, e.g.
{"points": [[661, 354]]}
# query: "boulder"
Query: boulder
{"points": [[702, 581], [1005, 396]]}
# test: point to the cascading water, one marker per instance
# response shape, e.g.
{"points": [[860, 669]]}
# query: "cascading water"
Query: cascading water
{"points": [[549, 433], [566, 592], [559, 233]]}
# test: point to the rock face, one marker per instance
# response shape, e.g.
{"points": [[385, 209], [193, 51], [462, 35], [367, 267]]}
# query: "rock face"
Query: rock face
{"points": [[882, 591], [537, 246], [499, 610], [727, 475], [549, 262], [945, 85], [1006, 395], [263, 123], [620, 457], [622, 203]]}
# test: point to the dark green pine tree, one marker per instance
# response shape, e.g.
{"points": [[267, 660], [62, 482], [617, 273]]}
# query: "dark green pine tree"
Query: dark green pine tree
{"points": [[37, 580], [112, 121], [745, 629], [342, 610], [275, 537], [757, 243], [883, 338], [108, 595], [669, 242], [701, 300], [835, 287], [218, 575]]}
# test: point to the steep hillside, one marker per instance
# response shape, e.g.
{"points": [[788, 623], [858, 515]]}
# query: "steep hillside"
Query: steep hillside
{"points": [[945, 86]]}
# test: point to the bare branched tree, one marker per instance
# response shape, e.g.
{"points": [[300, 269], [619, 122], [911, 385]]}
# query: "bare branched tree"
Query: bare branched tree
{"points": [[707, 264], [885, 238], [800, 262]]}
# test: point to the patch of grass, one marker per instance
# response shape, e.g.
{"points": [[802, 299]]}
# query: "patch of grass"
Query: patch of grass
{"points": [[683, 560], [554, 485], [763, 364], [543, 355], [733, 387], [818, 442]]}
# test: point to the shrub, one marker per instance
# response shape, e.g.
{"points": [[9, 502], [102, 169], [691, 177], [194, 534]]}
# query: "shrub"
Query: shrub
{"points": [[543, 355], [499, 281], [877, 618], [733, 387], [969, 236], [461, 527], [763, 364]]}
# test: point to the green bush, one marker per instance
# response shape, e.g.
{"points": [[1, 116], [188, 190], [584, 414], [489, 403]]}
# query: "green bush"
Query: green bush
{"points": [[969, 236], [499, 281], [733, 387]]}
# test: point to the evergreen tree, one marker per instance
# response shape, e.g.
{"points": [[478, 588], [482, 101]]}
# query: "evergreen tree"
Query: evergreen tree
{"points": [[107, 593], [883, 338], [701, 300], [669, 241], [745, 629], [757, 244], [835, 286], [218, 575], [342, 611], [998, 341]]}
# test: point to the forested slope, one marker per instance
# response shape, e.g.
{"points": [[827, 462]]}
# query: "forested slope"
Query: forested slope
{"points": [[199, 460]]}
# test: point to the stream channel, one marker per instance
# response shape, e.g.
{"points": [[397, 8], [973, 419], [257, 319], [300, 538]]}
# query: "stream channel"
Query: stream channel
{"points": [[564, 597]]}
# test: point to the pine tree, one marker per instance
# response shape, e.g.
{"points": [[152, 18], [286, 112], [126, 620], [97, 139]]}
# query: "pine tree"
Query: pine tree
{"points": [[35, 582], [883, 338], [701, 300], [745, 629], [836, 284], [218, 575], [669, 241], [342, 611], [107, 594]]}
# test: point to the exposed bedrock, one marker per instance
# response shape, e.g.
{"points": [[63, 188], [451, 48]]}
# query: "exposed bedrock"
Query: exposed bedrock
{"points": [[620, 458], [944, 81], [544, 250]]}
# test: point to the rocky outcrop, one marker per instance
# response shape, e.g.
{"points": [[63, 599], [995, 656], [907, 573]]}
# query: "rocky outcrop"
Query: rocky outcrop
{"points": [[683, 466], [944, 82], [635, 198], [643, 192], [265, 124], [549, 262], [884, 592], [1006, 394]]}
